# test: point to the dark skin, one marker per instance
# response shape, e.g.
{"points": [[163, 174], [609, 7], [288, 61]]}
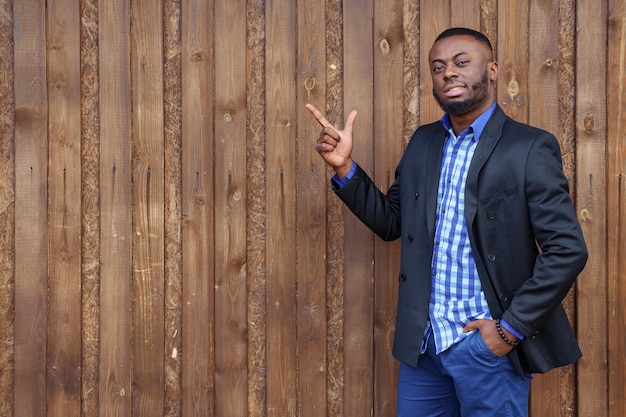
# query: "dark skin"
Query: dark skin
{"points": [[464, 77]]}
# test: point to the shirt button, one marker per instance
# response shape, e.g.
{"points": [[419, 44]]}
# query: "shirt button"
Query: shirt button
{"points": [[410, 238], [491, 257], [491, 214], [402, 278], [504, 298]]}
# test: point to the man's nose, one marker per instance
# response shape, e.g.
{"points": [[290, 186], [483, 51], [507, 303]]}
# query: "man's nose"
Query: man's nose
{"points": [[449, 73]]}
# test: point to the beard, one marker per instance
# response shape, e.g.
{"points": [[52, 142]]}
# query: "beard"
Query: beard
{"points": [[479, 90]]}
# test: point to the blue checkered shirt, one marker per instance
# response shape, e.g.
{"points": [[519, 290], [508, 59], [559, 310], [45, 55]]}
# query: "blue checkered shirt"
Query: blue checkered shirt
{"points": [[456, 293]]}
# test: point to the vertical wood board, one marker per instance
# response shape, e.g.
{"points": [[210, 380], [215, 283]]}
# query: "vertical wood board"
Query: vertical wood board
{"points": [[311, 208], [230, 208], [64, 328], [31, 237], [616, 206], [591, 288], [148, 208], [281, 175], [198, 244], [115, 389], [387, 151]]}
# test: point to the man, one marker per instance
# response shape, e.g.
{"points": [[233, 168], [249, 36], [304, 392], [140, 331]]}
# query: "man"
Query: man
{"points": [[490, 242]]}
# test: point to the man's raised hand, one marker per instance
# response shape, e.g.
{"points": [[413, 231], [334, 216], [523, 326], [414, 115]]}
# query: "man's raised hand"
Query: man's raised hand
{"points": [[335, 146]]}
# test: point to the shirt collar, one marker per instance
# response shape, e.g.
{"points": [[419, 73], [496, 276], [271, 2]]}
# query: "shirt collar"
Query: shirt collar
{"points": [[477, 125]]}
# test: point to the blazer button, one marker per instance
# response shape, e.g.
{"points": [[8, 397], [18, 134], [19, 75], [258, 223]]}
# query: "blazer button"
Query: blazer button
{"points": [[491, 257], [410, 238], [402, 278], [491, 214]]}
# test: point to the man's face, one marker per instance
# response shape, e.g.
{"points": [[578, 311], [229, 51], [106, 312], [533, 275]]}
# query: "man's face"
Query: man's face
{"points": [[463, 72]]}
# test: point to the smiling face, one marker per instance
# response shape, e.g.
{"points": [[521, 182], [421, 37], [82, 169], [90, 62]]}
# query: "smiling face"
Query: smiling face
{"points": [[463, 74]]}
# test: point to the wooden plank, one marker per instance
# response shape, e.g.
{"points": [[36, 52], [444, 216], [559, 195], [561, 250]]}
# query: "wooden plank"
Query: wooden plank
{"points": [[543, 112], [335, 249], [230, 208], [434, 19], [198, 386], [64, 340], [281, 175], [31, 163], [173, 275], [115, 202], [312, 183], [591, 205], [388, 147], [566, 81], [513, 42], [257, 253], [7, 209], [465, 13], [358, 80], [616, 207], [148, 208]]}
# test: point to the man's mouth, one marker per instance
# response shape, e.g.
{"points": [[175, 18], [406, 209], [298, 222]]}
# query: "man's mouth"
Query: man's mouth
{"points": [[454, 91]]}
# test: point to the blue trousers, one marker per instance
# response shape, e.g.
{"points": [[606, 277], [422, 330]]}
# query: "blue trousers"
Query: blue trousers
{"points": [[465, 380]]}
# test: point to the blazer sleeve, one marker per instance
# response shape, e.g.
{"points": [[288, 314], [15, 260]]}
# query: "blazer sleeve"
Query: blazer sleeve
{"points": [[562, 250], [380, 212]]}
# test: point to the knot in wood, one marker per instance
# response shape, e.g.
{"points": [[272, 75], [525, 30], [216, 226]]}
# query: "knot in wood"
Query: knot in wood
{"points": [[589, 123], [513, 88], [384, 46], [309, 83]]}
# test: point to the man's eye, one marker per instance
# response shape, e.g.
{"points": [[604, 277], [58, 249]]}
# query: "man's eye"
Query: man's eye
{"points": [[437, 69], [463, 63]]}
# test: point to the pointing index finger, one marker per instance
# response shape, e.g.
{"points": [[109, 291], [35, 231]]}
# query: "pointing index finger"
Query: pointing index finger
{"points": [[318, 115]]}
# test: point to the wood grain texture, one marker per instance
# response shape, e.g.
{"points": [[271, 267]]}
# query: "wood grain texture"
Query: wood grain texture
{"points": [[358, 81], [591, 129], [387, 149], [434, 19], [256, 263], [64, 228], [616, 206], [281, 174], [7, 209], [230, 208], [311, 231], [115, 389], [173, 272], [31, 236], [148, 208], [334, 219], [198, 244], [513, 45]]}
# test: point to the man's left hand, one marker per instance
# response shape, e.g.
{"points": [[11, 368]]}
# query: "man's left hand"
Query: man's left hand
{"points": [[489, 333]]}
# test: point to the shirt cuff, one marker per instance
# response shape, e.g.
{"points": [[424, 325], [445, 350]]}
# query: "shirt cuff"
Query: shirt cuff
{"points": [[340, 182], [511, 329]]}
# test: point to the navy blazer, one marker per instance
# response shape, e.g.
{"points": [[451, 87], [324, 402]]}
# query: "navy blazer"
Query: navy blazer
{"points": [[526, 240]]}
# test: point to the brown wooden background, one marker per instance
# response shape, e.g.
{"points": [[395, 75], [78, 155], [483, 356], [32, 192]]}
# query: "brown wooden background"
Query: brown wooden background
{"points": [[169, 245]]}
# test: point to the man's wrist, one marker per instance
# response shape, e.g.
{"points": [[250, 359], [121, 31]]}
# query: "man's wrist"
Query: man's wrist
{"points": [[507, 336], [343, 170]]}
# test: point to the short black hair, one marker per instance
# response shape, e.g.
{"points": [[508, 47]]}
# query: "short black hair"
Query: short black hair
{"points": [[480, 37]]}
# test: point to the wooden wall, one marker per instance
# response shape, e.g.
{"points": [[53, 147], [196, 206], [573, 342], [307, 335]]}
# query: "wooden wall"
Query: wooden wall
{"points": [[169, 245]]}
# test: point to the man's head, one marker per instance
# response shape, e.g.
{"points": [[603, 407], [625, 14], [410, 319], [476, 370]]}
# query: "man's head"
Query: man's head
{"points": [[463, 72]]}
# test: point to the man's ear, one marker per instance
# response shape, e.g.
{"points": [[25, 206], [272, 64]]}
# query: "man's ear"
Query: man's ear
{"points": [[493, 71]]}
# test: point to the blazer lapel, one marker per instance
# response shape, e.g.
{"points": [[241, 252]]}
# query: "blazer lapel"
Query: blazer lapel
{"points": [[434, 155], [487, 142]]}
